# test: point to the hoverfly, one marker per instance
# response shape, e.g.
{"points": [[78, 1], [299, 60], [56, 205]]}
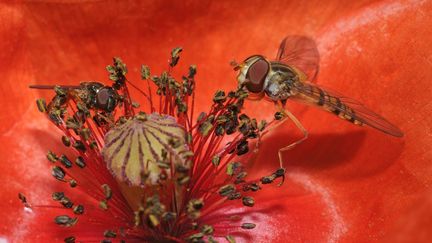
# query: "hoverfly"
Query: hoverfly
{"points": [[93, 94], [289, 77]]}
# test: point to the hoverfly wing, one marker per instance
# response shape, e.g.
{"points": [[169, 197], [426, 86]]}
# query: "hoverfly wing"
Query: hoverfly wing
{"points": [[346, 108], [301, 53], [43, 86]]}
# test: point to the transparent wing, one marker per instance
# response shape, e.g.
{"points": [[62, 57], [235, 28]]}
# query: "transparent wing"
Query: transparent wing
{"points": [[346, 108], [300, 52]]}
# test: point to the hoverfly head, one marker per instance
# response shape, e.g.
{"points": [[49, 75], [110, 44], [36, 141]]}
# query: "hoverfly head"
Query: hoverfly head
{"points": [[253, 72]]}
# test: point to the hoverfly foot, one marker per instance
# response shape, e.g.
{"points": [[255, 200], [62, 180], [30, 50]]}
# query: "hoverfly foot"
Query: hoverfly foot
{"points": [[280, 173]]}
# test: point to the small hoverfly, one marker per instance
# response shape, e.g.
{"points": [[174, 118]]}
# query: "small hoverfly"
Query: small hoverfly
{"points": [[93, 94], [290, 77]]}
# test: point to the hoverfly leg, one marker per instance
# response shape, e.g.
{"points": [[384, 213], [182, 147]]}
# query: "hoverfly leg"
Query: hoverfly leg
{"points": [[289, 115], [299, 126]]}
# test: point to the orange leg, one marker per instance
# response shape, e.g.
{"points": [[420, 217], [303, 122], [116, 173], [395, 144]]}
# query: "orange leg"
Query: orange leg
{"points": [[287, 114], [292, 145]]}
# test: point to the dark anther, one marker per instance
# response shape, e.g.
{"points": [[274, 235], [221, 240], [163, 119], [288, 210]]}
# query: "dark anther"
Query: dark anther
{"points": [[110, 234], [205, 128], [66, 141], [231, 94], [52, 156], [219, 97], [80, 162], [169, 216], [248, 226], [66, 202], [117, 72], [219, 130], [216, 160], [107, 191], [244, 117], [195, 237], [78, 209], [79, 146], [226, 190], [248, 201], [230, 127], [252, 134], [175, 56], [197, 204], [58, 173], [57, 196], [93, 145], [207, 229], [65, 220], [73, 183], [65, 161], [278, 115], [192, 71], [103, 204], [70, 239], [242, 175], [262, 125], [242, 147], [60, 91], [54, 117], [41, 105], [244, 128], [234, 108], [234, 195], [267, 179], [23, 200], [254, 187], [145, 72]]}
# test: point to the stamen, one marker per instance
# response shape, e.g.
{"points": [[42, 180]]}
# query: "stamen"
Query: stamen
{"points": [[150, 176]]}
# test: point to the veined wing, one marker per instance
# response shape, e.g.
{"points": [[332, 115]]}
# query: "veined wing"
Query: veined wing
{"points": [[301, 53], [346, 108]]}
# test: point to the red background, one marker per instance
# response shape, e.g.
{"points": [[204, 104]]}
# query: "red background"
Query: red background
{"points": [[345, 183]]}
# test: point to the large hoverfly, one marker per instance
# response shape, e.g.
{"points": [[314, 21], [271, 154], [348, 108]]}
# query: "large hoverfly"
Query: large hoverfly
{"points": [[289, 77]]}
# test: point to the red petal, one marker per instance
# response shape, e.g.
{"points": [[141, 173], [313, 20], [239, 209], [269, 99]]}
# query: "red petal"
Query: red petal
{"points": [[378, 53]]}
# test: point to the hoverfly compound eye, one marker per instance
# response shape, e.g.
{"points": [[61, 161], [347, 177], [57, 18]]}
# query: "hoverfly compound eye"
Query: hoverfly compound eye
{"points": [[256, 75], [106, 99]]}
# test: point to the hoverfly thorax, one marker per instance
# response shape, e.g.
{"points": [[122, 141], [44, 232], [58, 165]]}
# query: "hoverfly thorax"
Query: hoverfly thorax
{"points": [[99, 96], [253, 73]]}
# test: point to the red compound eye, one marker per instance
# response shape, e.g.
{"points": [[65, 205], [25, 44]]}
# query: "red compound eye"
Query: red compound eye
{"points": [[256, 75], [106, 99]]}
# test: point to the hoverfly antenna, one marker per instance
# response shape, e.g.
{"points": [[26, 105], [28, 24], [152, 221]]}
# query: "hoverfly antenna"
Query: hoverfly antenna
{"points": [[37, 86], [235, 65]]}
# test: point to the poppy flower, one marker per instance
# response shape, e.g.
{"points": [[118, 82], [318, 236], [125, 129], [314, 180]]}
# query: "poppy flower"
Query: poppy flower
{"points": [[344, 183]]}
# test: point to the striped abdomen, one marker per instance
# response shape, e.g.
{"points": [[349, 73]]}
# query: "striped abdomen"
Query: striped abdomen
{"points": [[315, 95]]}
